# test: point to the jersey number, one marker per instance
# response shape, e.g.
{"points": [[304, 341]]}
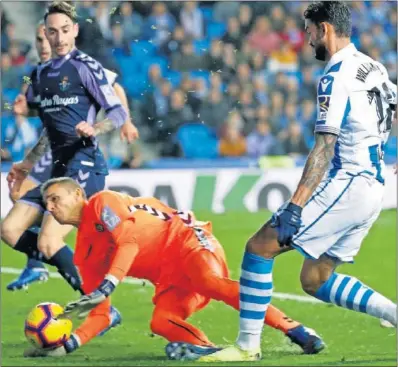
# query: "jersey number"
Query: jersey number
{"points": [[383, 109]]}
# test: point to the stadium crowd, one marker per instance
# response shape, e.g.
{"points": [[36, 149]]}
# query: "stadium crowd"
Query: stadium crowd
{"points": [[204, 79]]}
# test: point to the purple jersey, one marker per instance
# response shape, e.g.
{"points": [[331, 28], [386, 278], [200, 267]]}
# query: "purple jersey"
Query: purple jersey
{"points": [[69, 90]]}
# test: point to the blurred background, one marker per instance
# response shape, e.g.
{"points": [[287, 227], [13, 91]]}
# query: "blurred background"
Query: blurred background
{"points": [[210, 84]]}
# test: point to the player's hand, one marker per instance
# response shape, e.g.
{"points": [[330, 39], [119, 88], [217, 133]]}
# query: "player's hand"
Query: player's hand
{"points": [[18, 173], [85, 130], [86, 303], [21, 105], [287, 222], [129, 132], [36, 352]]}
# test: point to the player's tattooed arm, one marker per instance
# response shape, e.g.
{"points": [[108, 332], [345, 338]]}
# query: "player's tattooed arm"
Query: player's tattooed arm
{"points": [[39, 149], [103, 127], [316, 166]]}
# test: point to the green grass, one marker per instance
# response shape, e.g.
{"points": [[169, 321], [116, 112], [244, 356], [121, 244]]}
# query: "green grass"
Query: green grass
{"points": [[352, 338]]}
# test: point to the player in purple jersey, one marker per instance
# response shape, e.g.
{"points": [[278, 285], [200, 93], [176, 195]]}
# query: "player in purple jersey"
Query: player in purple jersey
{"points": [[41, 172], [71, 89]]}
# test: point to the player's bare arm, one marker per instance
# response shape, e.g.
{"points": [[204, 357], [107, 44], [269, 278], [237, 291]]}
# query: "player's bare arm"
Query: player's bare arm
{"points": [[315, 168], [19, 171]]}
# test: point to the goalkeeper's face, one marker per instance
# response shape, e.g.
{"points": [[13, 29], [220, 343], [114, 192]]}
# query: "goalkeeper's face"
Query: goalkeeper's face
{"points": [[64, 203], [317, 39]]}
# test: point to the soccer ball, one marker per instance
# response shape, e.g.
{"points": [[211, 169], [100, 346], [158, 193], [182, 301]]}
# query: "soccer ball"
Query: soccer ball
{"points": [[44, 329]]}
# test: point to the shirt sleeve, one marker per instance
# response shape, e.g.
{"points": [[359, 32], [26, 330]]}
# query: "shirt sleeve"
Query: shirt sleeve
{"points": [[333, 104], [113, 213], [94, 78], [30, 94]]}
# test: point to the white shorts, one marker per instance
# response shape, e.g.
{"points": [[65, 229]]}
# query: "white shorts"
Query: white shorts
{"points": [[339, 215]]}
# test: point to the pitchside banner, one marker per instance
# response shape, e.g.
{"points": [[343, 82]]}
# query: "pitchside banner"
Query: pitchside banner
{"points": [[213, 190]]}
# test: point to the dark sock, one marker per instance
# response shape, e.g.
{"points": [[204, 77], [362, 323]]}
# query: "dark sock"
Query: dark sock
{"points": [[62, 260], [34, 264]]}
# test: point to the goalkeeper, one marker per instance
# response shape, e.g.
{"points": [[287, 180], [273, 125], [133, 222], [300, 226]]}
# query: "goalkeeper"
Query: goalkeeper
{"points": [[120, 236]]}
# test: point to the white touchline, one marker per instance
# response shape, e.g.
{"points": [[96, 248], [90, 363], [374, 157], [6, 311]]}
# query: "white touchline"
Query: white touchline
{"points": [[288, 296]]}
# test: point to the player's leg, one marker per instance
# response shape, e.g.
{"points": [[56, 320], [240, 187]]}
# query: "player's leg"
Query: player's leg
{"points": [[34, 269], [172, 307], [208, 273], [319, 279]]}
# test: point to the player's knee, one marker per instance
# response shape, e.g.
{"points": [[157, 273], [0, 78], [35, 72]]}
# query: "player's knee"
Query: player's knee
{"points": [[264, 242], [49, 245], [15, 196], [10, 233], [310, 284], [160, 325]]}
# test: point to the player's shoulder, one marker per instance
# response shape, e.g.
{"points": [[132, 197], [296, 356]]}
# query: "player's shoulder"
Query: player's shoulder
{"points": [[82, 57], [105, 196]]}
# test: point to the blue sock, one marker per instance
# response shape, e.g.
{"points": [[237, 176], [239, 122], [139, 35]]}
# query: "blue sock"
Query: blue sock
{"points": [[63, 261], [34, 264], [348, 292], [255, 295]]}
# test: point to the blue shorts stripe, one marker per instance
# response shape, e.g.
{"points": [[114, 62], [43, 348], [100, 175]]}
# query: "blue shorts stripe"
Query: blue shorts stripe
{"points": [[340, 290], [254, 299], [325, 211], [364, 300], [351, 296], [256, 264], [255, 285], [254, 315]]}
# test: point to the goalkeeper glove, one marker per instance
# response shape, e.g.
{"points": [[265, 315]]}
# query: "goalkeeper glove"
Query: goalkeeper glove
{"points": [[287, 222], [87, 302]]}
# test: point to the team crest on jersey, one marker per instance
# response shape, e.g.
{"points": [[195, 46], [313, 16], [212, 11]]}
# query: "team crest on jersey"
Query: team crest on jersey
{"points": [[99, 227], [110, 218], [64, 84]]}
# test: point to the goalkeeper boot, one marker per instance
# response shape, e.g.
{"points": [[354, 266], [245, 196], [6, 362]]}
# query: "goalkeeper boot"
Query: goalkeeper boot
{"points": [[28, 276], [180, 351], [116, 320], [232, 353], [309, 341]]}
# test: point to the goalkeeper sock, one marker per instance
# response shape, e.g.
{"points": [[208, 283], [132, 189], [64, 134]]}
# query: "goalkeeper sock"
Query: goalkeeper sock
{"points": [[348, 292], [255, 296]]}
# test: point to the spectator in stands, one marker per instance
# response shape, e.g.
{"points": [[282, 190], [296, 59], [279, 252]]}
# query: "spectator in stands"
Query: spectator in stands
{"points": [[232, 142], [188, 86], [214, 110], [262, 37], [283, 59], [191, 18], [103, 18], [228, 70], [223, 10], [259, 69], [7, 36], [159, 24], [278, 19], [307, 115], [276, 111], [293, 34], [201, 89], [261, 142], [118, 41], [290, 113], [174, 42], [247, 107], [214, 57], [308, 89], [216, 82], [293, 142], [154, 75], [15, 52], [233, 91], [260, 90], [187, 60], [380, 38], [245, 54], [243, 75], [10, 76], [245, 18], [233, 35], [85, 9], [306, 57], [131, 21]]}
